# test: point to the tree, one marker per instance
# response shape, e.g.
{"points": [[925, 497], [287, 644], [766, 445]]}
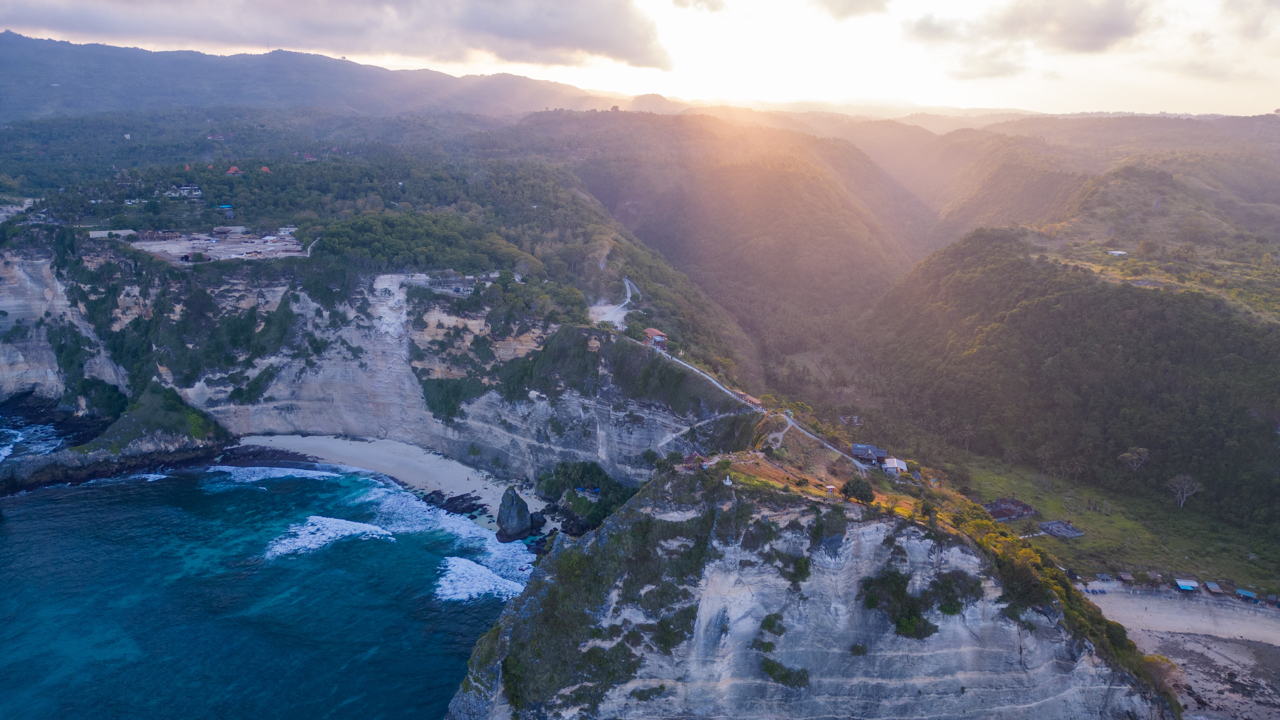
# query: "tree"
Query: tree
{"points": [[1073, 466], [858, 489], [1135, 457], [1183, 487], [1045, 456]]}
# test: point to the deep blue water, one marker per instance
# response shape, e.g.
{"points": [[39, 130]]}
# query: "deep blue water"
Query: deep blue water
{"points": [[241, 593]]}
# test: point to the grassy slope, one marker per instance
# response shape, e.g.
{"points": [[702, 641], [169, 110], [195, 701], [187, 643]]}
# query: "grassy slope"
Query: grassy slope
{"points": [[1140, 534]]}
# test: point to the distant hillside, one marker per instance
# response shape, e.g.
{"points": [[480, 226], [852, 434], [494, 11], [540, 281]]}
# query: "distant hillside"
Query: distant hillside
{"points": [[793, 234], [1040, 361], [970, 178], [47, 78], [1106, 141]]}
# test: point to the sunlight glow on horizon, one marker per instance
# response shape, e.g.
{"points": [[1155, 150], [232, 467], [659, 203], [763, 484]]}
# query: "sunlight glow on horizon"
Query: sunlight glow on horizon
{"points": [[1184, 60]]}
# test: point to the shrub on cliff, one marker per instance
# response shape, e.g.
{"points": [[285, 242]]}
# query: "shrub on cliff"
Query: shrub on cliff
{"points": [[158, 410], [566, 477], [784, 675]]}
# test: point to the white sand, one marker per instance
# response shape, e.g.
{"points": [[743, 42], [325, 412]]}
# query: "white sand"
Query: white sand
{"points": [[1224, 618], [419, 470]]}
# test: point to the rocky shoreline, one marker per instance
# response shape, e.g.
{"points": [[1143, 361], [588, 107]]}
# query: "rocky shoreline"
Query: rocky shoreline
{"points": [[158, 451]]}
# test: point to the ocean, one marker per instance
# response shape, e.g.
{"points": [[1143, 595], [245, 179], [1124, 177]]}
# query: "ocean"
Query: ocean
{"points": [[241, 592]]}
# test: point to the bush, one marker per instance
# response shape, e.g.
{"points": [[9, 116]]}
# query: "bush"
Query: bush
{"points": [[784, 675], [905, 611], [773, 623], [858, 489], [587, 475]]}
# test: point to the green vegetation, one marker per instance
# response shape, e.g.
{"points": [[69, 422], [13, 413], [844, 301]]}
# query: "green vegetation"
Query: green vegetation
{"points": [[1041, 361], [253, 391], [858, 650], [784, 675], [564, 361], [888, 591], [445, 397], [1031, 577], [1127, 532], [859, 489], [72, 350], [566, 476], [557, 606], [157, 410], [772, 623], [648, 693]]}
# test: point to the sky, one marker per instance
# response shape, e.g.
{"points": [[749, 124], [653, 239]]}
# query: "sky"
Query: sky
{"points": [[1181, 56]]}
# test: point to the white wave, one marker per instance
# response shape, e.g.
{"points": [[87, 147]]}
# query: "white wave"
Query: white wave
{"points": [[465, 580], [319, 531], [150, 477], [400, 512], [254, 474], [31, 440]]}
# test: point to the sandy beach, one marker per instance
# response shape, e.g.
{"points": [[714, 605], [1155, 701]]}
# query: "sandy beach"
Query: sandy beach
{"points": [[421, 471], [1227, 652], [1225, 618]]}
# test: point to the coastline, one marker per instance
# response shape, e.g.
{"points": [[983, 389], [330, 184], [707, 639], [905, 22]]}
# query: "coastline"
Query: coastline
{"points": [[422, 472]]}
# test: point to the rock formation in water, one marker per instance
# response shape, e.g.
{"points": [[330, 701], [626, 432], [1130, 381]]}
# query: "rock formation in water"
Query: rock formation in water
{"points": [[513, 516], [701, 600]]}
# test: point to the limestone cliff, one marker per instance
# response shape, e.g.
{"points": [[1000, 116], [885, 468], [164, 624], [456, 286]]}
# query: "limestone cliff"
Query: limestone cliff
{"points": [[31, 295], [364, 384], [355, 369], [699, 599]]}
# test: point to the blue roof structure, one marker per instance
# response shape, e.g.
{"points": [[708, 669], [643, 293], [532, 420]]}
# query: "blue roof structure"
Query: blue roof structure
{"points": [[1246, 594]]}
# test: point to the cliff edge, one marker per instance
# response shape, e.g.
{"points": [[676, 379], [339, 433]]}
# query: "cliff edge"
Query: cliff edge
{"points": [[702, 598]]}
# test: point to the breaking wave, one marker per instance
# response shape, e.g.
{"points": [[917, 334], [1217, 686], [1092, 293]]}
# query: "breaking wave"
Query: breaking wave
{"points": [[465, 580], [318, 531], [401, 512], [254, 474]]}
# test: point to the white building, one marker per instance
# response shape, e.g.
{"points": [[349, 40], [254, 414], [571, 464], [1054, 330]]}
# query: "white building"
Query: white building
{"points": [[894, 467]]}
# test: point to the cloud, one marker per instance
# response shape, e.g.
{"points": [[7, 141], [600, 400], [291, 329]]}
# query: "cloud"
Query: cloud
{"points": [[991, 63], [561, 32], [1083, 26], [995, 45], [931, 29], [708, 5], [1255, 19], [845, 9]]}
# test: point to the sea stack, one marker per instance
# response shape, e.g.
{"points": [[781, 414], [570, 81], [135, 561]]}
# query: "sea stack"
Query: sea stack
{"points": [[513, 517]]}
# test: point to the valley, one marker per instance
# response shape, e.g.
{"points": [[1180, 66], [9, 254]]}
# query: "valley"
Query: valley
{"points": [[662, 329]]}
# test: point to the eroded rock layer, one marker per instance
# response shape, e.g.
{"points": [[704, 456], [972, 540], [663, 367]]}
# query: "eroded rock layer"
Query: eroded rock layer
{"points": [[705, 600]]}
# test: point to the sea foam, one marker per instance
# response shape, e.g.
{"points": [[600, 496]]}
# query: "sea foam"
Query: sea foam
{"points": [[318, 531], [465, 580], [254, 474], [400, 512]]}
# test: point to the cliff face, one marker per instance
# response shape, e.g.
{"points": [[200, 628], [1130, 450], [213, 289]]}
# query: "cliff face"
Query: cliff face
{"points": [[29, 290], [360, 377], [701, 600], [364, 385]]}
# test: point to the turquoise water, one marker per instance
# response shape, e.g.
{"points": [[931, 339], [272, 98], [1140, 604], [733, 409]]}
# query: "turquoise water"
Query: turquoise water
{"points": [[241, 593]]}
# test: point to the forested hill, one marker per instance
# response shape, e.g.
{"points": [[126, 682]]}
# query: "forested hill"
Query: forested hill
{"points": [[47, 78], [793, 234], [1042, 362]]}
